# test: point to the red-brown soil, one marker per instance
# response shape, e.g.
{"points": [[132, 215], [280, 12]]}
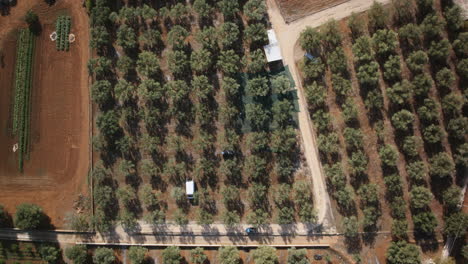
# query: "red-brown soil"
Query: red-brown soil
{"points": [[296, 9], [56, 172]]}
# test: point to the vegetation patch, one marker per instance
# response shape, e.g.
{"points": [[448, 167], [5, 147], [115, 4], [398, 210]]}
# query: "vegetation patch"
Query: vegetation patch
{"points": [[62, 28], [22, 94]]}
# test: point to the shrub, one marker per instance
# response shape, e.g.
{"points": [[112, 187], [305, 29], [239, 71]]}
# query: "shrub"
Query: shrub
{"points": [[400, 92], [228, 34], [353, 137], [452, 104], [265, 255], [385, 42], [103, 255], [388, 155], [229, 255], [402, 253], [445, 78], [228, 8], [432, 134], [394, 184], [171, 255], [410, 35], [455, 224], [147, 64], [136, 254], [432, 26], [402, 120], [460, 45], [310, 40], [425, 222], [420, 197], [441, 165], [228, 61], [451, 197], [368, 74], [392, 68], [341, 85], [428, 111], [356, 24], [369, 194], [378, 16], [439, 51], [453, 16], [411, 145], [29, 216], [358, 162], [77, 253], [328, 143], [458, 127], [362, 50], [258, 86], [201, 60], [416, 61], [400, 229], [422, 83], [256, 33], [197, 256], [350, 227], [255, 9], [297, 256]]}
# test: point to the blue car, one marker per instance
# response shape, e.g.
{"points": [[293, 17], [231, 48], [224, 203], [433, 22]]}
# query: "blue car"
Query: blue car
{"points": [[251, 230]]}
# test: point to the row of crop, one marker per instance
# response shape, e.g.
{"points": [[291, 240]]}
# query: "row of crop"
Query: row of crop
{"points": [[23, 84], [62, 28]]}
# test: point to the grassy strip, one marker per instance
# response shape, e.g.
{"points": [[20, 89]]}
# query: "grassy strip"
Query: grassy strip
{"points": [[62, 28], [23, 84]]}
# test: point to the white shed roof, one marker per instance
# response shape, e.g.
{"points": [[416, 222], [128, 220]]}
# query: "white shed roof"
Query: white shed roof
{"points": [[272, 50], [189, 187]]}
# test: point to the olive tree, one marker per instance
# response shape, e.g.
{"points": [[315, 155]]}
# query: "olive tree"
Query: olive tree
{"points": [[29, 216], [401, 252], [416, 61], [402, 120], [441, 165], [265, 255], [420, 197]]}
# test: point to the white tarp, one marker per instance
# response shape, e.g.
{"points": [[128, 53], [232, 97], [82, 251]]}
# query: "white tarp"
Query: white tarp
{"points": [[189, 188], [272, 50]]}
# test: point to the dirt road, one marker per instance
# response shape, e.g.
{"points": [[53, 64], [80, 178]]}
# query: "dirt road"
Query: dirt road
{"points": [[287, 35]]}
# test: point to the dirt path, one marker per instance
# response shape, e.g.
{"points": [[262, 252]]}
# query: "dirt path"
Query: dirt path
{"points": [[287, 35]]}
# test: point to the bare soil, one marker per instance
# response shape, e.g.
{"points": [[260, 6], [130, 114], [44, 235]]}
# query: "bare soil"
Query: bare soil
{"points": [[55, 173], [295, 9]]}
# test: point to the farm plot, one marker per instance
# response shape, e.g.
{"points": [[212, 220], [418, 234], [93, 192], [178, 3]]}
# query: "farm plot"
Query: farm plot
{"points": [[22, 94], [397, 100], [292, 10], [55, 173], [62, 29], [171, 107]]}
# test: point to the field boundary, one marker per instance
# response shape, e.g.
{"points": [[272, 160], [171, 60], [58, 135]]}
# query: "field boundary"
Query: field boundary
{"points": [[288, 21]]}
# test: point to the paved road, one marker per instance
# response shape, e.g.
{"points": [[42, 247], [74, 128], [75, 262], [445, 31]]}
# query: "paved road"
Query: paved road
{"points": [[189, 235], [287, 35]]}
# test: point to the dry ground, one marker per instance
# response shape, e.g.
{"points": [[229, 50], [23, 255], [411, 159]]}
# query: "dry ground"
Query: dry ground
{"points": [[56, 172], [296, 9]]}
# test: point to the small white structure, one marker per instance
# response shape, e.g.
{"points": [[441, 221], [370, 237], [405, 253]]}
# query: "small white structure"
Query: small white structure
{"points": [[15, 147], [71, 38], [53, 36], [272, 50], [189, 189]]}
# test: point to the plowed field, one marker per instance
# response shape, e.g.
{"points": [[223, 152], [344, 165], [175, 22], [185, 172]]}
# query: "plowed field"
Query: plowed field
{"points": [[295, 9], [55, 174]]}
